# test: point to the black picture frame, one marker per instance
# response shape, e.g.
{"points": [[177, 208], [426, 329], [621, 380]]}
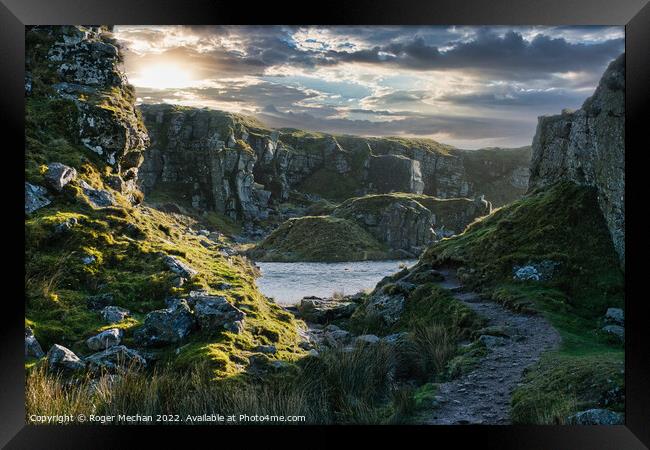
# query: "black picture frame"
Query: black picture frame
{"points": [[634, 14]]}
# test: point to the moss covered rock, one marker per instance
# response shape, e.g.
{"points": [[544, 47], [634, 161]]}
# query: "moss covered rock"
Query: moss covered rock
{"points": [[319, 238]]}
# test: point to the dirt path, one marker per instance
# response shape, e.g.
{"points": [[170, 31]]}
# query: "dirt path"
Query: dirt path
{"points": [[482, 396]]}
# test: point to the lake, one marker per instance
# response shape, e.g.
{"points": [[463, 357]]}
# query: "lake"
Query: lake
{"points": [[287, 283]]}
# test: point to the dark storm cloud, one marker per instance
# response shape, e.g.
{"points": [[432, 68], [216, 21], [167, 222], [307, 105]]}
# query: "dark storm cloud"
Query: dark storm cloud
{"points": [[508, 57]]}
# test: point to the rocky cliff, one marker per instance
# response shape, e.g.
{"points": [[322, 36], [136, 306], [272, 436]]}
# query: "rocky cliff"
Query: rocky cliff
{"points": [[376, 226], [587, 147], [77, 92], [237, 166]]}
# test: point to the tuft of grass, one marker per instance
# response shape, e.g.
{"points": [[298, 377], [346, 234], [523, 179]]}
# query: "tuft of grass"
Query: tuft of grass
{"points": [[561, 385]]}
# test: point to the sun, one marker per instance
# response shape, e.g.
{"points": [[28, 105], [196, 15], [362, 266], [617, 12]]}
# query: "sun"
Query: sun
{"points": [[163, 76]]}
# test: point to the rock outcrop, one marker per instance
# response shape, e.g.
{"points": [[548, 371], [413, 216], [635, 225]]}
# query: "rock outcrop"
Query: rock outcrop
{"points": [[324, 310], [35, 197], [400, 223], [587, 147], [32, 348], [79, 66], [64, 359], [371, 227], [235, 165], [166, 326]]}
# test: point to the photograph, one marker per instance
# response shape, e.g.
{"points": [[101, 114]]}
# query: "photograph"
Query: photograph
{"points": [[322, 225]]}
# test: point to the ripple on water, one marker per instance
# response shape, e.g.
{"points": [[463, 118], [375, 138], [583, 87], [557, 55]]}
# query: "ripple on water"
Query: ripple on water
{"points": [[287, 283]]}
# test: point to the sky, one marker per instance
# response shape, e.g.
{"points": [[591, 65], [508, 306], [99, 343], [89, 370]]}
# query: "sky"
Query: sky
{"points": [[471, 87]]}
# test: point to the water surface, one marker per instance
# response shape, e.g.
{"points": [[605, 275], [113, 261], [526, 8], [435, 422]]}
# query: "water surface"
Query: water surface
{"points": [[287, 283]]}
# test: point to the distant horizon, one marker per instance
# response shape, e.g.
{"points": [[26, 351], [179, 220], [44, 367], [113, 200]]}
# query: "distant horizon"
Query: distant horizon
{"points": [[467, 87]]}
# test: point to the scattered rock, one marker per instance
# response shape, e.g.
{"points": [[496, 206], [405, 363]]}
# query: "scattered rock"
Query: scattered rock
{"points": [[387, 307], [267, 349], [65, 226], [116, 357], [179, 267], [105, 339], [61, 358], [114, 314], [366, 339], [58, 175], [166, 326], [35, 197], [336, 337], [596, 417], [99, 198], [88, 259], [491, 341], [615, 316], [318, 310], [215, 313], [32, 347], [541, 271], [395, 339], [616, 331]]}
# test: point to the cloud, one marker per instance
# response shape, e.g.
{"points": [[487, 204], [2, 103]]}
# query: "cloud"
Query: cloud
{"points": [[462, 84]]}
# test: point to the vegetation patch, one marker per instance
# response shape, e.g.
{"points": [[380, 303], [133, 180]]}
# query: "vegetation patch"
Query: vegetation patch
{"points": [[562, 225], [319, 238]]}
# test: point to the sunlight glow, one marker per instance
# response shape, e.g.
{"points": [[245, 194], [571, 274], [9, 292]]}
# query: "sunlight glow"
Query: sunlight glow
{"points": [[163, 76]]}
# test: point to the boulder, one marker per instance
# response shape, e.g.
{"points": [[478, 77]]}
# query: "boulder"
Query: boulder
{"points": [[58, 175], [115, 357], [540, 271], [367, 339], [32, 347], [336, 337], [615, 330], [615, 316], [387, 307], [166, 326], [215, 313], [395, 339], [596, 417], [35, 197], [105, 339], [318, 310], [114, 314], [99, 198], [266, 349], [179, 267], [62, 358]]}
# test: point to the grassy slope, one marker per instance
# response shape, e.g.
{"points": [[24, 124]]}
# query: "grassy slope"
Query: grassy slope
{"points": [[127, 243], [319, 238], [561, 224]]}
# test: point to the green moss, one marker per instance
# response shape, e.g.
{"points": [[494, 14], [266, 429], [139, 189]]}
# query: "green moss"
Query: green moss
{"points": [[431, 304], [427, 304], [562, 224], [561, 385], [331, 184], [425, 395], [318, 238]]}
